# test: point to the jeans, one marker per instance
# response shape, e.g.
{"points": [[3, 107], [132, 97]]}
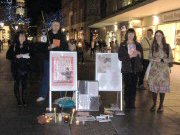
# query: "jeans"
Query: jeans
{"points": [[130, 81], [20, 79], [45, 80], [142, 74]]}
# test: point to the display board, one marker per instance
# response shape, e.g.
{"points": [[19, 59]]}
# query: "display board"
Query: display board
{"points": [[88, 96], [63, 71], [108, 72]]}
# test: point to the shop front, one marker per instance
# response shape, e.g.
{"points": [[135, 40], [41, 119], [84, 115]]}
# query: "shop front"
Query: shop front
{"points": [[169, 23]]}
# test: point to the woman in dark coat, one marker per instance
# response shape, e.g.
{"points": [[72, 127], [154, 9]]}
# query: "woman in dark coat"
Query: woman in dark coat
{"points": [[130, 53], [19, 53]]}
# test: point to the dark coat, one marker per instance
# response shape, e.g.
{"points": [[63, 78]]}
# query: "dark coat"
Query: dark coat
{"points": [[130, 65], [21, 65], [63, 44]]}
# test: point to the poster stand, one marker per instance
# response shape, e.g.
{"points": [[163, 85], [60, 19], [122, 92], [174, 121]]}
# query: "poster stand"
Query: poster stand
{"points": [[110, 80], [63, 73]]}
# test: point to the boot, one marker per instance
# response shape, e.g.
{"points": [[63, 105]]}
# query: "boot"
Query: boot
{"points": [[153, 108], [160, 109], [17, 94], [24, 96]]}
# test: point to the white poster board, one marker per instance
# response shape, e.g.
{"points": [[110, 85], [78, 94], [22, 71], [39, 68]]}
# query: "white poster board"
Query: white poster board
{"points": [[63, 71], [88, 96], [108, 72]]}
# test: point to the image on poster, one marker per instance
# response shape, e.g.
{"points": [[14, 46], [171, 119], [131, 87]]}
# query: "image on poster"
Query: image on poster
{"points": [[63, 71], [88, 96], [108, 72]]}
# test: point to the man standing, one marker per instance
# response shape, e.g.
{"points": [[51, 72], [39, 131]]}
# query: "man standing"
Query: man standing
{"points": [[146, 45], [57, 42]]}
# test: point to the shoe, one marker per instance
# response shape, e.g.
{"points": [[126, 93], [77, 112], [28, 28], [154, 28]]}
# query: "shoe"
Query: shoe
{"points": [[141, 87], [160, 109], [153, 108], [40, 99], [19, 104], [24, 103]]}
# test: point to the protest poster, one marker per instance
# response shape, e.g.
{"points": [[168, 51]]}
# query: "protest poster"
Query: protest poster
{"points": [[63, 71], [108, 72]]}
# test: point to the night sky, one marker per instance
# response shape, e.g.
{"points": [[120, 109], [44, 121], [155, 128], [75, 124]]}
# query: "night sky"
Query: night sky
{"points": [[34, 8]]}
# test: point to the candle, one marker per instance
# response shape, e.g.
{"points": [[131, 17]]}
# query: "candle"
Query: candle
{"points": [[66, 118], [77, 122], [72, 116], [55, 116], [60, 117]]}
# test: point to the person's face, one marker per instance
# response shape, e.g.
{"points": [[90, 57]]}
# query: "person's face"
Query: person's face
{"points": [[55, 26], [149, 34], [159, 37], [22, 38], [131, 36]]}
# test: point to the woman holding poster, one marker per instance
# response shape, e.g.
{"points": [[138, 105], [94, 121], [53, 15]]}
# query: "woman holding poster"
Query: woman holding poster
{"points": [[130, 53]]}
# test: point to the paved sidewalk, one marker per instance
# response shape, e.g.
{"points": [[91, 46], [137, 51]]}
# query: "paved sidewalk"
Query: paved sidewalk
{"points": [[22, 121]]}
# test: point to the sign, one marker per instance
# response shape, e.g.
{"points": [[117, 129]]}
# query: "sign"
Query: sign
{"points": [[63, 71], [169, 16], [108, 72], [88, 96]]}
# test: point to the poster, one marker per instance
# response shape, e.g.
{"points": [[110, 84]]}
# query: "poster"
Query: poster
{"points": [[88, 96], [63, 71], [108, 72]]}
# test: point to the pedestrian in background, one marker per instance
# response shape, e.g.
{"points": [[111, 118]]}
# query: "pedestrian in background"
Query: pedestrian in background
{"points": [[146, 45], [159, 75], [130, 53], [1, 43]]}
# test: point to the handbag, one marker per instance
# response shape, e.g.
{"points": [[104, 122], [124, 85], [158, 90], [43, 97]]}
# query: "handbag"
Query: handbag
{"points": [[148, 70]]}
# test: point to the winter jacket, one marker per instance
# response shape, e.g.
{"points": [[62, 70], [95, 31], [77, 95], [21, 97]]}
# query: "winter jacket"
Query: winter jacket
{"points": [[20, 65], [59, 36], [130, 65]]}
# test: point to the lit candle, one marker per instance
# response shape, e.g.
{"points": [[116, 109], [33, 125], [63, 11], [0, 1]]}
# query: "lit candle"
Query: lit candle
{"points": [[72, 116], [55, 117], [60, 117], [66, 118], [77, 122]]}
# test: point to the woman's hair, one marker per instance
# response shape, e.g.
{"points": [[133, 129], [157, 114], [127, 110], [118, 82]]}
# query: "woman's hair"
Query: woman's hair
{"points": [[155, 46], [130, 30], [18, 34]]}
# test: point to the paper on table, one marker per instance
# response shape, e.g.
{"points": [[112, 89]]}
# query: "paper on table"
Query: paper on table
{"points": [[25, 56]]}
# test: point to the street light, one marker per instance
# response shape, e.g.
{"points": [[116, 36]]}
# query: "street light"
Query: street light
{"points": [[1, 24]]}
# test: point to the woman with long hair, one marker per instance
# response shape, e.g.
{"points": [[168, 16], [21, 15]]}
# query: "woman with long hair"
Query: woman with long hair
{"points": [[19, 53], [159, 75], [130, 53]]}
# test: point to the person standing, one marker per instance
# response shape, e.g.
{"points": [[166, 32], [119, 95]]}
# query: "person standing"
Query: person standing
{"points": [[1, 44], [57, 42], [130, 53], [146, 45], [93, 44], [159, 75], [20, 54]]}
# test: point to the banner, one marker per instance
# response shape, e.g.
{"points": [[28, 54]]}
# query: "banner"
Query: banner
{"points": [[108, 72], [63, 71]]}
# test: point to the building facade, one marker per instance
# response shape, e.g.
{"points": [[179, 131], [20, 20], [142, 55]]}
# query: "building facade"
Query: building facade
{"points": [[141, 15], [77, 15]]}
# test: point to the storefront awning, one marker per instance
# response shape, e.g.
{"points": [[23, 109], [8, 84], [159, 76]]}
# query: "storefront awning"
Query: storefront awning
{"points": [[139, 11]]}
